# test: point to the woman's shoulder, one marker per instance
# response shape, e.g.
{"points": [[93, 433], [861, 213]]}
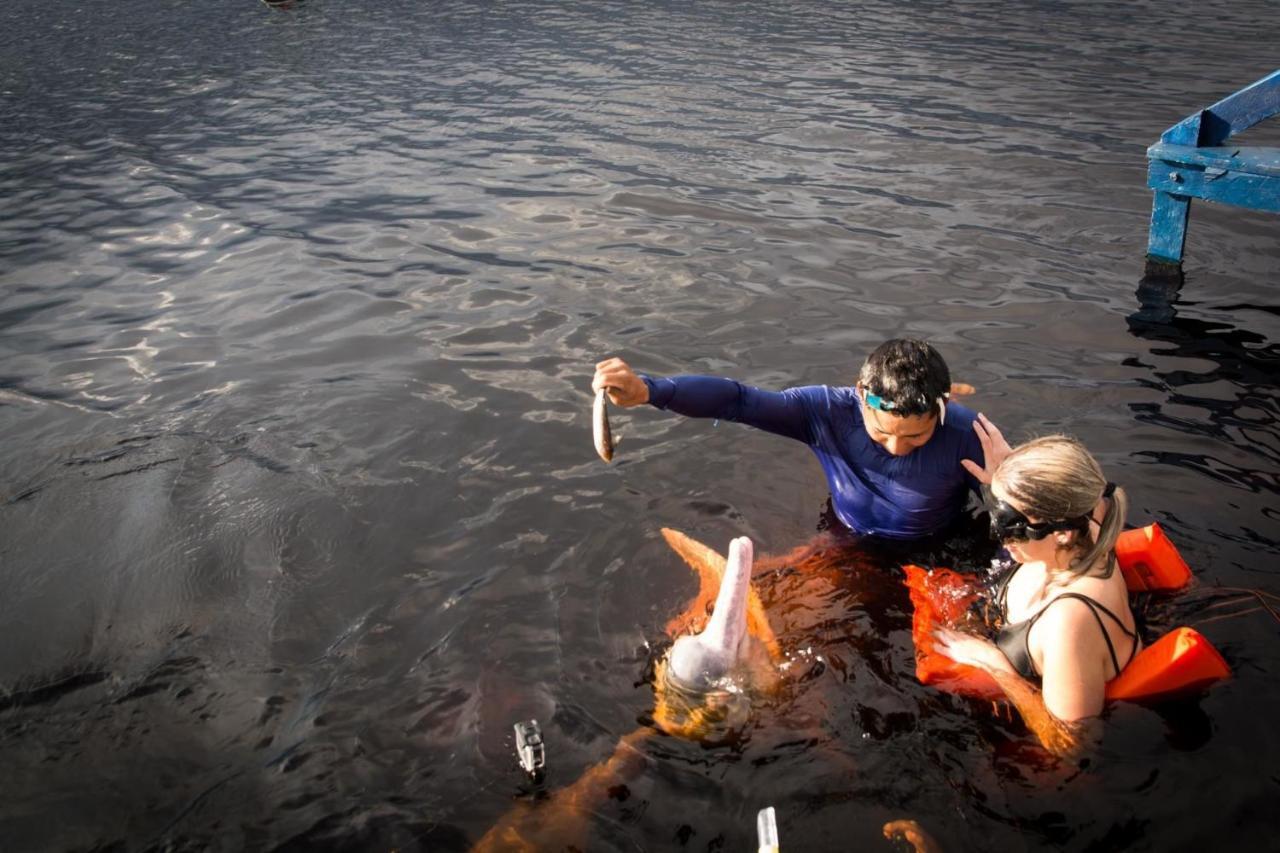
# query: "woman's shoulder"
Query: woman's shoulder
{"points": [[1066, 609], [1076, 602], [1066, 635]]}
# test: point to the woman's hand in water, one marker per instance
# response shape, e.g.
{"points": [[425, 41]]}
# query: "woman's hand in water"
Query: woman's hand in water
{"points": [[624, 386], [971, 650], [994, 450]]}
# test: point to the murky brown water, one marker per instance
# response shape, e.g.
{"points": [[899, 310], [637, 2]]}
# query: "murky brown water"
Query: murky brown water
{"points": [[299, 506]]}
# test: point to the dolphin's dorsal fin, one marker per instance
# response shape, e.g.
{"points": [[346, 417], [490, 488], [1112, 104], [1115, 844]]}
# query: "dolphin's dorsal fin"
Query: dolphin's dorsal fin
{"points": [[710, 568]]}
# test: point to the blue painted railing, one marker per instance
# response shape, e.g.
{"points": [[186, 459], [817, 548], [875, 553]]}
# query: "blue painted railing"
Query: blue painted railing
{"points": [[1193, 160]]}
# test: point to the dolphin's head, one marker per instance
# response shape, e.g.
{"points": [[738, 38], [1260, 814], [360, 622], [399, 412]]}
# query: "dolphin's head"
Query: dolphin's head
{"points": [[695, 666], [703, 661]]}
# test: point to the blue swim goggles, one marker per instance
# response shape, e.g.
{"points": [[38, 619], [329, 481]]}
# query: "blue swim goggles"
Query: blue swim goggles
{"points": [[875, 401], [880, 404]]}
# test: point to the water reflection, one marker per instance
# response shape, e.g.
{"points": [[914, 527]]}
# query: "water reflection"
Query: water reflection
{"points": [[298, 495], [1243, 363]]}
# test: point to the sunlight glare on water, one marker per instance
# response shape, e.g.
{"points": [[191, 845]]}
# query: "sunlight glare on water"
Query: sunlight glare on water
{"points": [[300, 304]]}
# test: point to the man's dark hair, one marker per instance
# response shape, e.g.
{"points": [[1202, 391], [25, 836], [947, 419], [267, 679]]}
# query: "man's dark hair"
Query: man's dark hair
{"points": [[908, 374]]}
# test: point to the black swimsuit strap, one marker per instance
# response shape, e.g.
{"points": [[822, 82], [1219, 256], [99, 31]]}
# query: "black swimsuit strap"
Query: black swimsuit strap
{"points": [[1094, 607], [1002, 594]]}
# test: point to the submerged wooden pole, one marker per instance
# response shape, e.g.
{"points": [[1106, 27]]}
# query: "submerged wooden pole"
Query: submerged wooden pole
{"points": [[1168, 235]]}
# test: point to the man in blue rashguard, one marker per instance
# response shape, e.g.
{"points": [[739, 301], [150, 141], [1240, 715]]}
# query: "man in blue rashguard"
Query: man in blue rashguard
{"points": [[899, 456]]}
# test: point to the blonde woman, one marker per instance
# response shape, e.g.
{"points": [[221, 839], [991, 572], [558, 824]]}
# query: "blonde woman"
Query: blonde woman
{"points": [[1064, 606]]}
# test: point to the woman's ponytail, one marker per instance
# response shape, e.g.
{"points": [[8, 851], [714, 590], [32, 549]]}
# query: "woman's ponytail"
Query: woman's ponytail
{"points": [[1109, 530]]}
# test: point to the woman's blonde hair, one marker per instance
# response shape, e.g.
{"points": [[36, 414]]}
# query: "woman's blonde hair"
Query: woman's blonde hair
{"points": [[1055, 478]]}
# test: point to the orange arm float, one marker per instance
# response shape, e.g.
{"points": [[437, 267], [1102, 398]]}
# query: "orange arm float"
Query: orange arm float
{"points": [[939, 598], [1150, 562], [1182, 661]]}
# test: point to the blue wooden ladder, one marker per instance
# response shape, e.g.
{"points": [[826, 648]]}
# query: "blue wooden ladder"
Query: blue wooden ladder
{"points": [[1192, 160]]}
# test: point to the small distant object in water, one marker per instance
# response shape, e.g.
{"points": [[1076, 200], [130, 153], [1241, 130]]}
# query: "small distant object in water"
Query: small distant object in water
{"points": [[767, 830], [961, 389], [282, 4], [600, 430], [912, 833], [530, 748]]}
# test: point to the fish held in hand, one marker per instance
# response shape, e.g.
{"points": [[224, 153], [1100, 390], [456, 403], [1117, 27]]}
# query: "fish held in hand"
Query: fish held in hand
{"points": [[600, 430]]}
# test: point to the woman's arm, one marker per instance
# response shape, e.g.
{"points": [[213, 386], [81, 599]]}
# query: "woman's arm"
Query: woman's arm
{"points": [[1054, 734], [972, 650], [1069, 647]]}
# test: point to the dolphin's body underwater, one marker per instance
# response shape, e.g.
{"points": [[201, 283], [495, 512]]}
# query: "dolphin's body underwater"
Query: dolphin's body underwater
{"points": [[702, 661], [689, 687]]}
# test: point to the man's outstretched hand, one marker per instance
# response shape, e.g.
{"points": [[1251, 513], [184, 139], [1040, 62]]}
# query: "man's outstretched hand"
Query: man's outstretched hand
{"points": [[625, 388]]}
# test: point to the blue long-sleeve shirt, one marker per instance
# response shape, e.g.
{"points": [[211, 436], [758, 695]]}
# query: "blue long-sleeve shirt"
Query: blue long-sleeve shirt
{"points": [[872, 491]]}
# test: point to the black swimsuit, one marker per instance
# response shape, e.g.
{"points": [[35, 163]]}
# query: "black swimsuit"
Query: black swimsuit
{"points": [[1015, 640]]}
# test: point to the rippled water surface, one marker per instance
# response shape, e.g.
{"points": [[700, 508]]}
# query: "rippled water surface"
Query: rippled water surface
{"points": [[299, 309]]}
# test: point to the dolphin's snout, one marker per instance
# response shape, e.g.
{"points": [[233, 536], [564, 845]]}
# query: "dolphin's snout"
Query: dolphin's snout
{"points": [[704, 658]]}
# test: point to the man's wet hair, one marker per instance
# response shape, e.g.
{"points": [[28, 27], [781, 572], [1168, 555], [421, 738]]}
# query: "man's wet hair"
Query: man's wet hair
{"points": [[908, 375]]}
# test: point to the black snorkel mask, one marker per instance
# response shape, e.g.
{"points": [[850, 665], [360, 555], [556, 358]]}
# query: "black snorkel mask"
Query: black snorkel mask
{"points": [[1007, 523]]}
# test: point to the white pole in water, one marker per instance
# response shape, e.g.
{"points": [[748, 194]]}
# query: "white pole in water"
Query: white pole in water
{"points": [[767, 830]]}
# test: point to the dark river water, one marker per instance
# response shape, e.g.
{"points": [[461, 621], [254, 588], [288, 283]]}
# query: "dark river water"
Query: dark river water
{"points": [[298, 311]]}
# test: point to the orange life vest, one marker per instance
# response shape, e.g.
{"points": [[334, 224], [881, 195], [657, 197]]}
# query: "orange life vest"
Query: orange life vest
{"points": [[1181, 661]]}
